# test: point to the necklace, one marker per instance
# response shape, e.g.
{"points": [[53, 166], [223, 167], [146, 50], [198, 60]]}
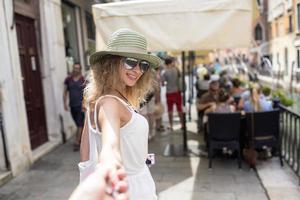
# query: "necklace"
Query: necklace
{"points": [[126, 100]]}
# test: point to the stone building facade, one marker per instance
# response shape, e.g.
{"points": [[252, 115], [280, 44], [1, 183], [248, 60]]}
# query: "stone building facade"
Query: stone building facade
{"points": [[40, 40]]}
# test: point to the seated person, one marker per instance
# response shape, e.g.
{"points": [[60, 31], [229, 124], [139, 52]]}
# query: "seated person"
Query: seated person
{"points": [[202, 85], [208, 99], [236, 91], [256, 102], [223, 105]]}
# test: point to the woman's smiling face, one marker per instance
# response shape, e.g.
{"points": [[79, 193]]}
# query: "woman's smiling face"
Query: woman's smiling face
{"points": [[130, 76]]}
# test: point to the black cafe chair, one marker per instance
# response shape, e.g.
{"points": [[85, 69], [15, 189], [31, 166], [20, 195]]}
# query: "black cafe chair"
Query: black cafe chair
{"points": [[263, 130], [224, 131]]}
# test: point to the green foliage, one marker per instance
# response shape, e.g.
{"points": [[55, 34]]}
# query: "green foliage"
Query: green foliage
{"points": [[284, 100], [244, 83], [266, 90]]}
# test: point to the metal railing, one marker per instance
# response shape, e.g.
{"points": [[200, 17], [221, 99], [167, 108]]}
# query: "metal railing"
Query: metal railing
{"points": [[290, 138]]}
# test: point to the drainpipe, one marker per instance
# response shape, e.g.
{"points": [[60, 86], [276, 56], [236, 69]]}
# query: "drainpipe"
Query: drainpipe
{"points": [[292, 77]]}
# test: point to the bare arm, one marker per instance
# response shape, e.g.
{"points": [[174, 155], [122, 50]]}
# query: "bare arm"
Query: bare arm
{"points": [[65, 97], [110, 121], [241, 104], [84, 145], [212, 108], [203, 106]]}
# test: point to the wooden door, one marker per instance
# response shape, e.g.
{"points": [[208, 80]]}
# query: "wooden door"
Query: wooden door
{"points": [[32, 84]]}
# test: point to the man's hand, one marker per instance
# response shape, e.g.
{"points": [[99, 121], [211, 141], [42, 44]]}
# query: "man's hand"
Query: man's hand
{"points": [[99, 186]]}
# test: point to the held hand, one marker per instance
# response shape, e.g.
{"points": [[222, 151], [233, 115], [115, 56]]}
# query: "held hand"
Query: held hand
{"points": [[118, 186], [98, 186], [111, 163]]}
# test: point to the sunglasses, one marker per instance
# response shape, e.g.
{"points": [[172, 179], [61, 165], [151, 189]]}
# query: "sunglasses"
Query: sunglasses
{"points": [[130, 63]]}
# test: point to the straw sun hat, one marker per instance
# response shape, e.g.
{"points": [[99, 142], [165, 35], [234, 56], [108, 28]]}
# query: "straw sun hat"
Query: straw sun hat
{"points": [[126, 43]]}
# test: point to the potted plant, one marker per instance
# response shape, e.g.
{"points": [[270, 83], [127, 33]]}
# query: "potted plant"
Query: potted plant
{"points": [[279, 95]]}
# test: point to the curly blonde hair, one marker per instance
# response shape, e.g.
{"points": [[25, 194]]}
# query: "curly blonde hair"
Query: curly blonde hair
{"points": [[255, 97], [104, 78]]}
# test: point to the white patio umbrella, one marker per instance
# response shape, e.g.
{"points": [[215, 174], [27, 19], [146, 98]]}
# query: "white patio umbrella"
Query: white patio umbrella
{"points": [[178, 24]]}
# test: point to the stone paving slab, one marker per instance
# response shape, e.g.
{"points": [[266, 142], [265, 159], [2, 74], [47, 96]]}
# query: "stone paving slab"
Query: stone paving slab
{"points": [[54, 176], [281, 183]]}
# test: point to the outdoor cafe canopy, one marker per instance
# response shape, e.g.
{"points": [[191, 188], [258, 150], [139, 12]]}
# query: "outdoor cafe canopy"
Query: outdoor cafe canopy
{"points": [[178, 24]]}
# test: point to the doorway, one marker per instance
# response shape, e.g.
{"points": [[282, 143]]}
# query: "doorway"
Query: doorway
{"points": [[31, 76]]}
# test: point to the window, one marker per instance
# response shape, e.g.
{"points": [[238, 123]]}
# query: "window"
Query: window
{"points": [[298, 16], [298, 58], [70, 35], [286, 61], [290, 24], [276, 29], [90, 26], [258, 32], [260, 5]]}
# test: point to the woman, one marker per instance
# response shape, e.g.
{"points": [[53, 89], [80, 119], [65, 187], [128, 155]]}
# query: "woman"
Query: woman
{"points": [[116, 135], [236, 91], [223, 105], [256, 102]]}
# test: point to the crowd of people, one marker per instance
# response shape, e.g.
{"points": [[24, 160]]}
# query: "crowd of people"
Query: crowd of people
{"points": [[224, 92], [221, 92]]}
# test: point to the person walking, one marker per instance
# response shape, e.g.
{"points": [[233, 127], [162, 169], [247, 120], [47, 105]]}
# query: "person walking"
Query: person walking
{"points": [[115, 134], [73, 95], [171, 77], [159, 108]]}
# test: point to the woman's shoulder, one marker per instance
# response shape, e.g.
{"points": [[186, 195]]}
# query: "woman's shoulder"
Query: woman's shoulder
{"points": [[108, 100], [113, 101]]}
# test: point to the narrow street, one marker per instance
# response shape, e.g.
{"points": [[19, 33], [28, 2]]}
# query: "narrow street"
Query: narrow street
{"points": [[239, 60]]}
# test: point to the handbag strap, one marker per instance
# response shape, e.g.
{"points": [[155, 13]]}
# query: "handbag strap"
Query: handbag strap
{"points": [[93, 151]]}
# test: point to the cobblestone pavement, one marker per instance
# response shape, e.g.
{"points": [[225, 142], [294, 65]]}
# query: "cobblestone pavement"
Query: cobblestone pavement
{"points": [[55, 176]]}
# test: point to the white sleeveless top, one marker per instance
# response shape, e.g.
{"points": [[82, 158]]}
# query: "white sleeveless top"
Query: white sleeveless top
{"points": [[134, 151]]}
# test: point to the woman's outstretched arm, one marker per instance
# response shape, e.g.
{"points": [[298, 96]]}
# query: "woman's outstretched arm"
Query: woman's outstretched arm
{"points": [[84, 145], [109, 119]]}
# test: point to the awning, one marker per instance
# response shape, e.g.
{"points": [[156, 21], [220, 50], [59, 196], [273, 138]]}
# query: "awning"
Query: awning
{"points": [[178, 24]]}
